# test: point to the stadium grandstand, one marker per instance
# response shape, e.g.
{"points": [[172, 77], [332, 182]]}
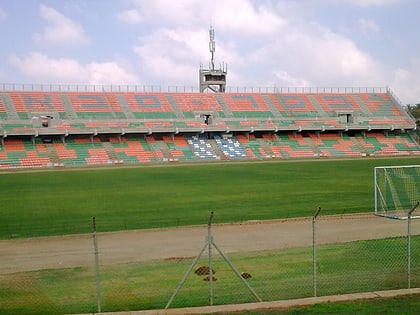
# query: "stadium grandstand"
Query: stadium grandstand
{"points": [[56, 126], [59, 125]]}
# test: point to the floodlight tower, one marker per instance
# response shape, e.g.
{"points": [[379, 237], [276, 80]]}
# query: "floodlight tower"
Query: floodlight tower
{"points": [[213, 79]]}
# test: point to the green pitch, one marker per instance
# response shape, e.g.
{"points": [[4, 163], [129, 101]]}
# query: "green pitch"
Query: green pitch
{"points": [[64, 202]]}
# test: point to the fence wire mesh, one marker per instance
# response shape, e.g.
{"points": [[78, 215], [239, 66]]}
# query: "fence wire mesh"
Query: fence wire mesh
{"points": [[137, 270]]}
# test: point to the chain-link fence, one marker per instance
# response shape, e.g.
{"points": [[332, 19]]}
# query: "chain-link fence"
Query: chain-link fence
{"points": [[204, 265]]}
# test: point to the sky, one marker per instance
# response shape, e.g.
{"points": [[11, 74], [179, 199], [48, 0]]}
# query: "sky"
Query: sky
{"points": [[263, 43]]}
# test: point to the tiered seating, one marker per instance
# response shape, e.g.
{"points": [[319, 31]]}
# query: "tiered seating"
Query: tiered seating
{"points": [[331, 103], [249, 123], [3, 113], [163, 123], [151, 144], [191, 102], [179, 148], [149, 105], [273, 144], [126, 153], [251, 146], [81, 151], [106, 125], [331, 144], [319, 123], [113, 102], [17, 153], [250, 105], [131, 150], [163, 109], [293, 146], [90, 105], [202, 148], [371, 143], [379, 144], [408, 143], [380, 104], [195, 124], [231, 147], [279, 125], [26, 103], [10, 127], [68, 156], [296, 105], [388, 124], [97, 155]]}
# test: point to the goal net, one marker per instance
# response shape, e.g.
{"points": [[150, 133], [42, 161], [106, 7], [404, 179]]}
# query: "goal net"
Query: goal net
{"points": [[397, 190]]}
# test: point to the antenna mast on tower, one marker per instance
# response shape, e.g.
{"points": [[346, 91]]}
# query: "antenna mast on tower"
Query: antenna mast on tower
{"points": [[213, 79], [212, 46]]}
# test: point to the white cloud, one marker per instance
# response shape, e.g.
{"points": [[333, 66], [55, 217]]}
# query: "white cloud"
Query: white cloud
{"points": [[165, 12], [265, 43], [110, 73], [279, 50], [360, 3], [311, 55], [171, 57], [248, 20], [60, 30], [233, 15], [130, 16], [172, 53], [41, 68], [407, 83], [3, 77], [368, 26], [3, 14], [289, 80], [369, 3]]}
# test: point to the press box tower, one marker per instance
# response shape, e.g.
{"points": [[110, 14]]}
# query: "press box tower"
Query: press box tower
{"points": [[213, 79]]}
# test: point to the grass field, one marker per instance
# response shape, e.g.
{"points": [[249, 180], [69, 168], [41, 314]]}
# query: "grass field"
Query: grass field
{"points": [[63, 202]]}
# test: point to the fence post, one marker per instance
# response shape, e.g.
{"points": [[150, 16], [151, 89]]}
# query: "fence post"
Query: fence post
{"points": [[95, 244], [210, 242], [314, 249], [409, 245]]}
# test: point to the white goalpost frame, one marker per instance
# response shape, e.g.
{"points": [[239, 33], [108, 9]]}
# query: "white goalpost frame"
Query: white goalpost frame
{"points": [[401, 214]]}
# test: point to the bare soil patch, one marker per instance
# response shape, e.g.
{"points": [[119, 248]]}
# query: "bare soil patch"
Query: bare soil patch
{"points": [[185, 242]]}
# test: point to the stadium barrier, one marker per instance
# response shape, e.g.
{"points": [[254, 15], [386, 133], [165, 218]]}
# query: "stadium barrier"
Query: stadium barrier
{"points": [[138, 270], [183, 89]]}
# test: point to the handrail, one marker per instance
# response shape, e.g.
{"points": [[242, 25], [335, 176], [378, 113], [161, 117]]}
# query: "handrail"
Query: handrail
{"points": [[402, 109], [34, 87]]}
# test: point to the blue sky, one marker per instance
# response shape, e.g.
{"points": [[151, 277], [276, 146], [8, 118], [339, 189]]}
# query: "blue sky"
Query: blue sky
{"points": [[265, 43]]}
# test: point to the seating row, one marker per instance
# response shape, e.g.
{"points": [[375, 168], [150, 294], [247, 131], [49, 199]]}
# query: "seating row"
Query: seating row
{"points": [[22, 153]]}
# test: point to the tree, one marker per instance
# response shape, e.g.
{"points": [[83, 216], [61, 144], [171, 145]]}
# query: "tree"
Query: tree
{"points": [[414, 110]]}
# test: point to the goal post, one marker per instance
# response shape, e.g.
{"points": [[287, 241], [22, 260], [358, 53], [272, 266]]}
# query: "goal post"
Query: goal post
{"points": [[397, 190]]}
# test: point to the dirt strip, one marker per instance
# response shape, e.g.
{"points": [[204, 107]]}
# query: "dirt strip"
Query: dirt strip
{"points": [[186, 242]]}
